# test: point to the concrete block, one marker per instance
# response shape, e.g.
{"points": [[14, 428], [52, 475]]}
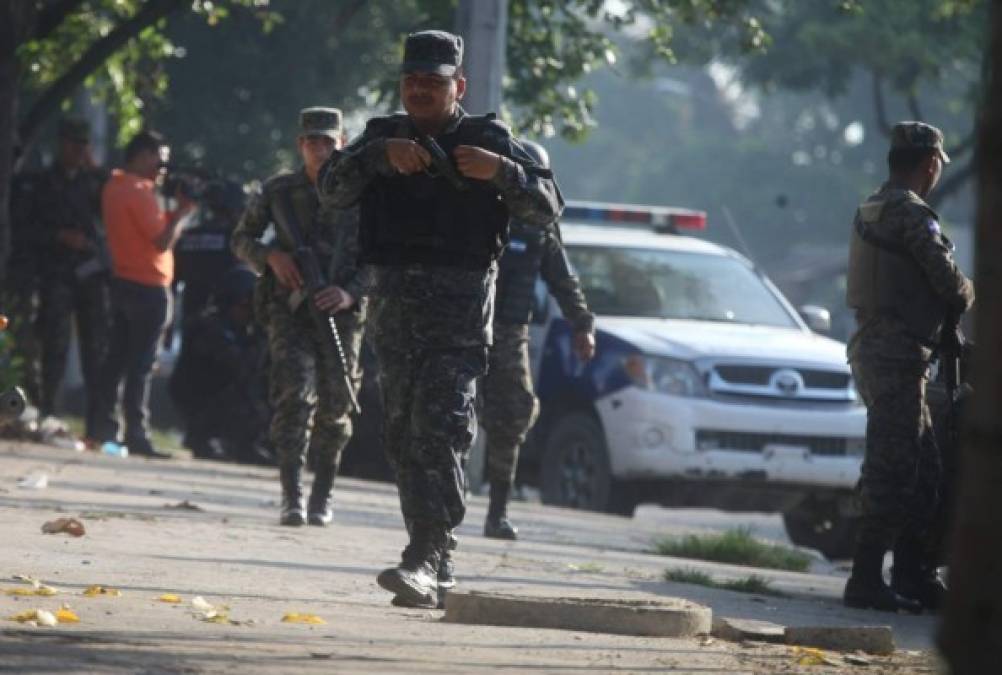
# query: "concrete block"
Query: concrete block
{"points": [[662, 617], [870, 639], [736, 630]]}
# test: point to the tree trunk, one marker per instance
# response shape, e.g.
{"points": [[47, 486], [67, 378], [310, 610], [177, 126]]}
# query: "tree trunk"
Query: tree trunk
{"points": [[15, 17], [972, 623]]}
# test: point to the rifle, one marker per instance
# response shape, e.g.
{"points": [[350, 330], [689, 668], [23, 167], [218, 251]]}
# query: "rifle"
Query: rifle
{"points": [[442, 163], [313, 281], [951, 348]]}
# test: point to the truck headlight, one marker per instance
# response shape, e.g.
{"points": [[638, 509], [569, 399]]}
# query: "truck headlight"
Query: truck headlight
{"points": [[668, 376]]}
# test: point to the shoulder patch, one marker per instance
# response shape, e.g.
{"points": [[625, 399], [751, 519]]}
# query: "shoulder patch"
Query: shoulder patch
{"points": [[932, 225]]}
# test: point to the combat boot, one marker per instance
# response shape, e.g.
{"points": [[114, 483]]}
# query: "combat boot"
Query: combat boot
{"points": [[914, 577], [497, 525], [319, 511], [293, 504], [414, 581], [866, 588], [446, 568]]}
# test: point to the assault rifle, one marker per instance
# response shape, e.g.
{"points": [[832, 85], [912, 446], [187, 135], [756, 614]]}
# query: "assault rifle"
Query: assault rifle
{"points": [[951, 350], [313, 281], [442, 163]]}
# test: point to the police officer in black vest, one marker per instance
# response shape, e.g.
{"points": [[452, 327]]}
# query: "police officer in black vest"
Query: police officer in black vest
{"points": [[510, 406]]}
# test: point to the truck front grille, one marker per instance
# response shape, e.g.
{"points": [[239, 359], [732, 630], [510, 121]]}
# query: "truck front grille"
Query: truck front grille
{"points": [[829, 446]]}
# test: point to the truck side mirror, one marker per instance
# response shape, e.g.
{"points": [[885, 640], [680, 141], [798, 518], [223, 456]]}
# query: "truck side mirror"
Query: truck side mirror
{"points": [[818, 319]]}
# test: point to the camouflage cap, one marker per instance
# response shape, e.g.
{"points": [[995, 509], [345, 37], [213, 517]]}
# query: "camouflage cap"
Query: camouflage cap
{"points": [[433, 51], [918, 135], [74, 129], [320, 122]]}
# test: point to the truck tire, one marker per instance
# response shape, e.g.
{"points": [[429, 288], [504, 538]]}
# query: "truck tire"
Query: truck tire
{"points": [[575, 469], [826, 531]]}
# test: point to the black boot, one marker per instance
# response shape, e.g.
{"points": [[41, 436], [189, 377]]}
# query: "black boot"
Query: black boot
{"points": [[497, 525], [446, 568], [319, 511], [293, 506], [914, 574], [414, 581], [866, 588]]}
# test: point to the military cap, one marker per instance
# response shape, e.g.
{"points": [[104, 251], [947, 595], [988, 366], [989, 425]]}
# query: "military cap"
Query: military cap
{"points": [[74, 129], [320, 122], [433, 51], [918, 135]]}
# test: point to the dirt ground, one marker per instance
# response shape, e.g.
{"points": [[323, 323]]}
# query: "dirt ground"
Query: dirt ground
{"points": [[224, 546]]}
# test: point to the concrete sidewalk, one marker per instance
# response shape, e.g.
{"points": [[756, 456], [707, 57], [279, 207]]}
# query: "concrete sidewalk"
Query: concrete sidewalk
{"points": [[232, 553]]}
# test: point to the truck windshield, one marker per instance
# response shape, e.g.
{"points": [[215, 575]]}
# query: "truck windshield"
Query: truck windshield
{"points": [[675, 285]]}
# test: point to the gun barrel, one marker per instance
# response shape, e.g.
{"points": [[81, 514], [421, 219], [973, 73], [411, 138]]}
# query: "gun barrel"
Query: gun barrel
{"points": [[441, 162]]}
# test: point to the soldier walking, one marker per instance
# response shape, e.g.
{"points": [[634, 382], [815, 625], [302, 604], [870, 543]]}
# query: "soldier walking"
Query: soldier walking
{"points": [[510, 406], [311, 403], [74, 266], [903, 284], [432, 227]]}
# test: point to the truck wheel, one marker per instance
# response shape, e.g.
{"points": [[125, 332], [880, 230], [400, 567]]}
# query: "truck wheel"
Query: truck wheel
{"points": [[824, 530], [576, 471]]}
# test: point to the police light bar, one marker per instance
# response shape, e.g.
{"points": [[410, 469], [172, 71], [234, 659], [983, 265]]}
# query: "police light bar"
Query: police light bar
{"points": [[661, 219]]}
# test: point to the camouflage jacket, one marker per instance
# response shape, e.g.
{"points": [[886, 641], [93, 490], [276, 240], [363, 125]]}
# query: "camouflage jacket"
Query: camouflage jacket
{"points": [[912, 225], [437, 305], [60, 200], [330, 231]]}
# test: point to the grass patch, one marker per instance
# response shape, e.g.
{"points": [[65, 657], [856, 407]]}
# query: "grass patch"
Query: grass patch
{"points": [[751, 584], [737, 547]]}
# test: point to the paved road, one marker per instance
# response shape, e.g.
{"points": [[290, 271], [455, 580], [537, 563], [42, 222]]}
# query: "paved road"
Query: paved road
{"points": [[231, 553]]}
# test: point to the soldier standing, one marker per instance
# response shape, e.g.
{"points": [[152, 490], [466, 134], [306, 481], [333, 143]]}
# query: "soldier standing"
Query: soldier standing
{"points": [[433, 228], [310, 400], [510, 405], [903, 283], [74, 266]]}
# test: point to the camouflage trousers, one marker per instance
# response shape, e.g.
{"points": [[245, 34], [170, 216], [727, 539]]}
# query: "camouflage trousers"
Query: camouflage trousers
{"points": [[899, 485], [429, 423], [311, 407], [62, 301], [509, 405]]}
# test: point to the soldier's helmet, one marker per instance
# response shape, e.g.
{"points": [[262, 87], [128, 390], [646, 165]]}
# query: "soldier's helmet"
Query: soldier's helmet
{"points": [[918, 135], [236, 285], [538, 153], [433, 51], [319, 121]]}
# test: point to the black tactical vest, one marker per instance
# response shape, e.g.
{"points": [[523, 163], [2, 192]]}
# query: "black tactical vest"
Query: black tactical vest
{"points": [[884, 278], [423, 219], [519, 269]]}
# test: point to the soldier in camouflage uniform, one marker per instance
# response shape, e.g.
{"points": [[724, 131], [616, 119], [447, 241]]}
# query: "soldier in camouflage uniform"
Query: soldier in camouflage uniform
{"points": [[310, 400], [903, 283], [74, 266], [433, 233], [510, 406]]}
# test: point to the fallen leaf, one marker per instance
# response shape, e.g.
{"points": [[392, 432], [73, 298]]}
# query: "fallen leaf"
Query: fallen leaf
{"points": [[38, 617], [95, 591], [809, 656], [42, 590], [170, 597], [184, 506], [198, 603], [67, 615], [296, 617], [34, 481], [856, 660], [70, 526]]}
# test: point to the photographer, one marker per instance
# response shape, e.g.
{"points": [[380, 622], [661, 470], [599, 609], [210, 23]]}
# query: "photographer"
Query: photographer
{"points": [[141, 237]]}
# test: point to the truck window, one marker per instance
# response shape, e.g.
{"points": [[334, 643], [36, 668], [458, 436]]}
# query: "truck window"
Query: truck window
{"points": [[675, 285]]}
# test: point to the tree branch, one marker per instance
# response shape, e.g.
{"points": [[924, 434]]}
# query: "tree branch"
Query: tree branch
{"points": [[913, 106], [345, 16], [879, 105], [53, 14], [958, 179], [47, 104]]}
